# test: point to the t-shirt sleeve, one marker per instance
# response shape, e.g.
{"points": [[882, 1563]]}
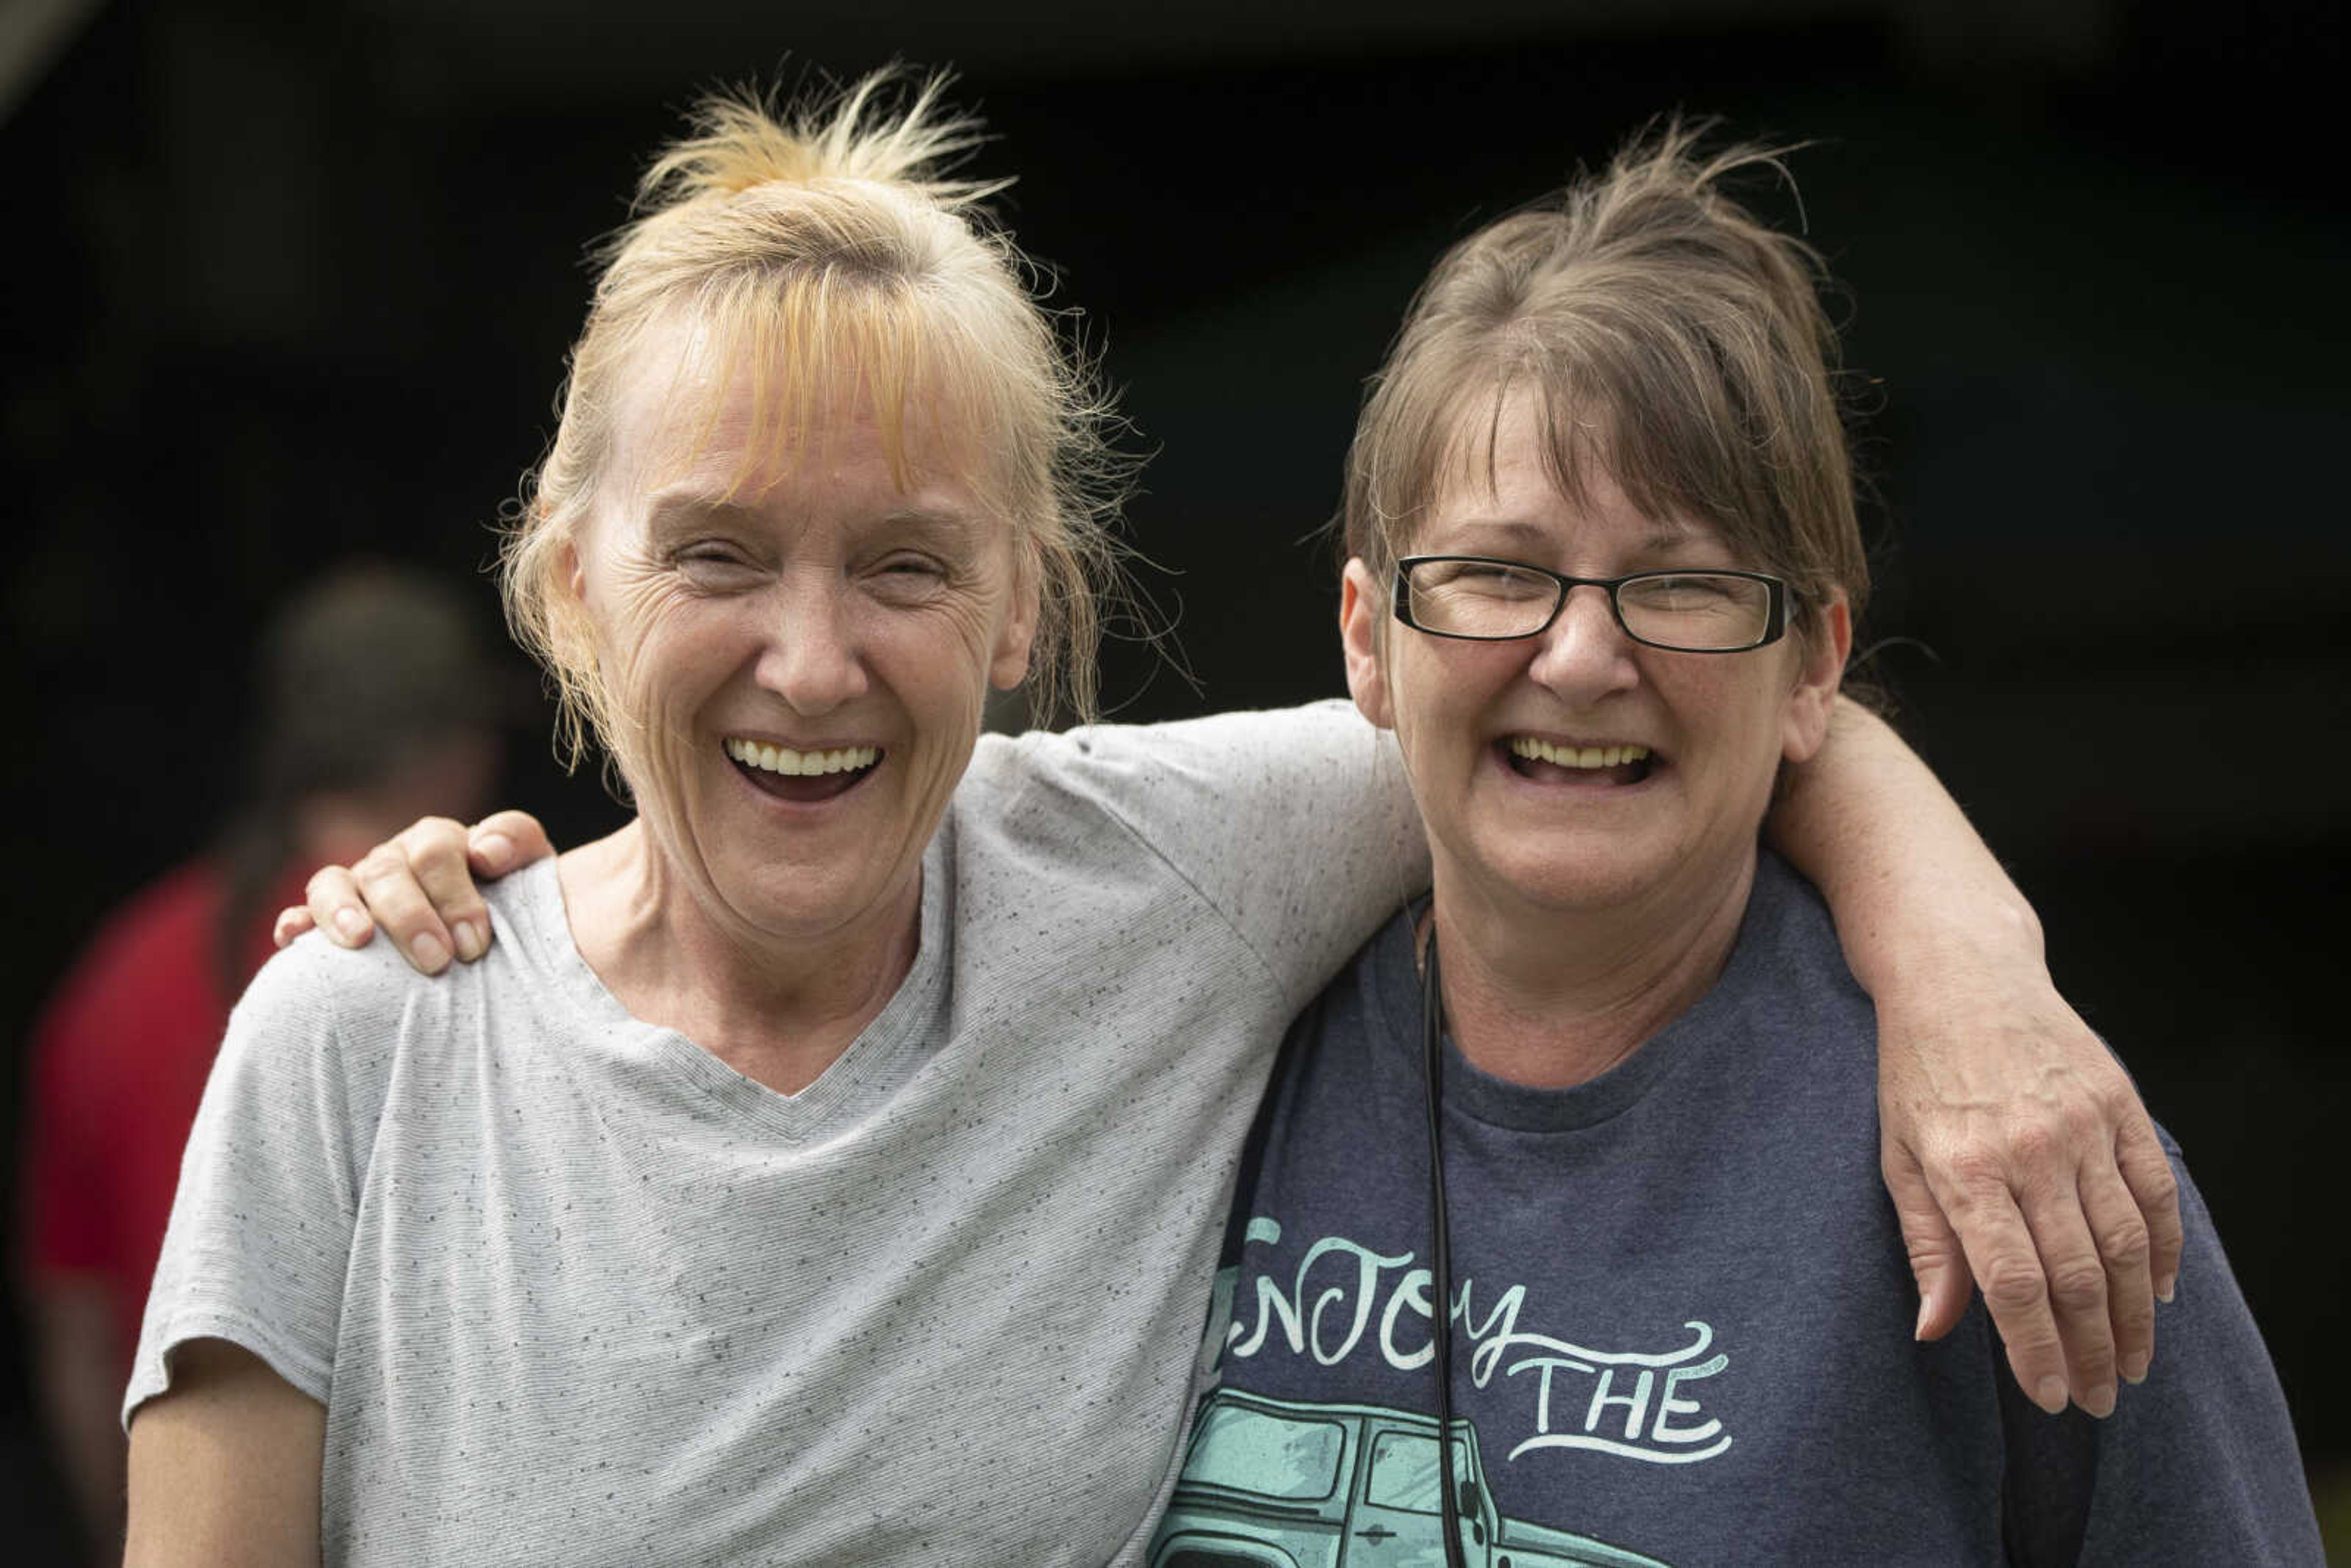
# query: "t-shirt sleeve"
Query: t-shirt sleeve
{"points": [[258, 1244], [2199, 1464], [1297, 823]]}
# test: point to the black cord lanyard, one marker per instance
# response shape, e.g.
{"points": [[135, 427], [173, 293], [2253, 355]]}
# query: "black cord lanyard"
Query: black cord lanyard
{"points": [[1440, 1251]]}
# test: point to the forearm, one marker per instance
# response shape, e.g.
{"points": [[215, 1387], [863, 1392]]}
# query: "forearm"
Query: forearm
{"points": [[1869, 824]]}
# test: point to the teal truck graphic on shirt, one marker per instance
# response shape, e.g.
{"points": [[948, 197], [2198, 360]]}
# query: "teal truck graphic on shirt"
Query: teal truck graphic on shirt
{"points": [[1270, 1483]]}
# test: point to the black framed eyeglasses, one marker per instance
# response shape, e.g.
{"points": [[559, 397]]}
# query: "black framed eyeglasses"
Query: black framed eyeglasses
{"points": [[1483, 599]]}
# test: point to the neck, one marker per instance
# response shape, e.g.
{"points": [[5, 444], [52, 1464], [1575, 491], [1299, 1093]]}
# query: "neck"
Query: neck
{"points": [[779, 1012], [1552, 999]]}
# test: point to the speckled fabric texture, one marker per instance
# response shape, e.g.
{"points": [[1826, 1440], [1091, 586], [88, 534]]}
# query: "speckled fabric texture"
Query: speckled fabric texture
{"points": [[575, 1292]]}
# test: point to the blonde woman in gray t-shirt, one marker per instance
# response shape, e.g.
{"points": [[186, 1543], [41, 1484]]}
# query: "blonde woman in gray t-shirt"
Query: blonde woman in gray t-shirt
{"points": [[829, 1165]]}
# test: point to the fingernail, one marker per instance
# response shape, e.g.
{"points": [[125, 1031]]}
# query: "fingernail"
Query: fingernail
{"points": [[351, 923], [2163, 1291], [428, 952], [496, 848], [2101, 1402], [469, 940], [1918, 1330], [2050, 1395], [2134, 1369]]}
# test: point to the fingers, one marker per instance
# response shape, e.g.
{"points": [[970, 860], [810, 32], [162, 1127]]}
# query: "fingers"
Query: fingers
{"points": [[290, 924], [336, 907], [1936, 1260], [2063, 1257], [2121, 1237], [2001, 1248], [504, 841], [397, 900], [2155, 1192], [2075, 1277], [2108, 1240], [419, 889], [439, 851], [2134, 1210]]}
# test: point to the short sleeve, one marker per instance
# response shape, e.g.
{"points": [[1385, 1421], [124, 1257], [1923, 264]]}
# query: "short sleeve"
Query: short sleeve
{"points": [[258, 1244], [1297, 823]]}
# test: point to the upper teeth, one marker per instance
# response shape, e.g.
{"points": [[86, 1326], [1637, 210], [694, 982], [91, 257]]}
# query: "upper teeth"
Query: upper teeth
{"points": [[784, 759], [1527, 747]]}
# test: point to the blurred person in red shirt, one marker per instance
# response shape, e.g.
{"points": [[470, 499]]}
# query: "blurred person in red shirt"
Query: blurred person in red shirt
{"points": [[375, 704]]}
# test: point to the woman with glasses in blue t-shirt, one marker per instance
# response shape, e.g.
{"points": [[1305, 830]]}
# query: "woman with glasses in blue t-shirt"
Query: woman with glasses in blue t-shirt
{"points": [[1609, 1093]]}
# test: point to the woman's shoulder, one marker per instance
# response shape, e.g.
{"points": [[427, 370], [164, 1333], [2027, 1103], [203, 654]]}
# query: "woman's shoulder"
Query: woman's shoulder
{"points": [[1294, 827], [1787, 991], [1200, 784], [1790, 929], [312, 980], [313, 967], [362, 1006], [1257, 740]]}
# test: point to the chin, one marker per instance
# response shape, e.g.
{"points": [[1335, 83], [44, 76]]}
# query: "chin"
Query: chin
{"points": [[1585, 893], [821, 892], [1608, 875]]}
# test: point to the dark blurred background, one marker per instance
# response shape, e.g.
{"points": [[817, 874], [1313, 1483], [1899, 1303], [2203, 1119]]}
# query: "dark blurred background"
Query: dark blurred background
{"points": [[289, 281]]}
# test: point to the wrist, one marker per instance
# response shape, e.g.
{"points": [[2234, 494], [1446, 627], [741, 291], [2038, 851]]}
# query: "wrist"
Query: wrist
{"points": [[1984, 929]]}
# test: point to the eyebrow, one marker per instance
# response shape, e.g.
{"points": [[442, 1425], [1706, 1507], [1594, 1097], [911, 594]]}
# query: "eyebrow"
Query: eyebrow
{"points": [[674, 509], [944, 518], [673, 506]]}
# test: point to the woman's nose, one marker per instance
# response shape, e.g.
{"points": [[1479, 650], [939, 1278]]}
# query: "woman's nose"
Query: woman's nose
{"points": [[1585, 653], [813, 659]]}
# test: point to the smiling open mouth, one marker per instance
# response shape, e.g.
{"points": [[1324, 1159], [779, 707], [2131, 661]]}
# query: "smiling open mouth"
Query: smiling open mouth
{"points": [[1544, 762], [802, 776]]}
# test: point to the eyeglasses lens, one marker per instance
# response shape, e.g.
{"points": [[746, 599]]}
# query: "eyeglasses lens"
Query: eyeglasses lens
{"points": [[1704, 611], [1707, 612], [1480, 599]]}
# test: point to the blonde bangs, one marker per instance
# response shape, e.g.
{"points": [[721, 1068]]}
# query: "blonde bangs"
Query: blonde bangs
{"points": [[823, 250], [808, 349]]}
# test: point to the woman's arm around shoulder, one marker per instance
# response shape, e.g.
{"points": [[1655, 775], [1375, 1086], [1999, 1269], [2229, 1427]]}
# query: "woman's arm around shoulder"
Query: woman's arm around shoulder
{"points": [[224, 1467], [2017, 1153], [1296, 823]]}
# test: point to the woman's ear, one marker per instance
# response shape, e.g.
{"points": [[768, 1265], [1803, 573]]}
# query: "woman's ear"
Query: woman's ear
{"points": [[571, 563], [1805, 723], [1009, 667], [1363, 615]]}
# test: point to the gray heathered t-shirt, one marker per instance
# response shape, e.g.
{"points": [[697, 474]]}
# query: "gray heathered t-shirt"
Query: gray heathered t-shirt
{"points": [[573, 1291]]}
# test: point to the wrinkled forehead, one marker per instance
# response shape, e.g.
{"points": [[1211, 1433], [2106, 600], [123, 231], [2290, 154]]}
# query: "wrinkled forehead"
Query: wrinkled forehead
{"points": [[734, 409]]}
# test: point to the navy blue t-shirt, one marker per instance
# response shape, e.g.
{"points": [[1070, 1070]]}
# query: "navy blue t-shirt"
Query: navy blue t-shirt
{"points": [[1682, 1323]]}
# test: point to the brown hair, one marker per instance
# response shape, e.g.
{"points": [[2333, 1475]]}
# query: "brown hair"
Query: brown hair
{"points": [[1667, 334], [816, 242]]}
